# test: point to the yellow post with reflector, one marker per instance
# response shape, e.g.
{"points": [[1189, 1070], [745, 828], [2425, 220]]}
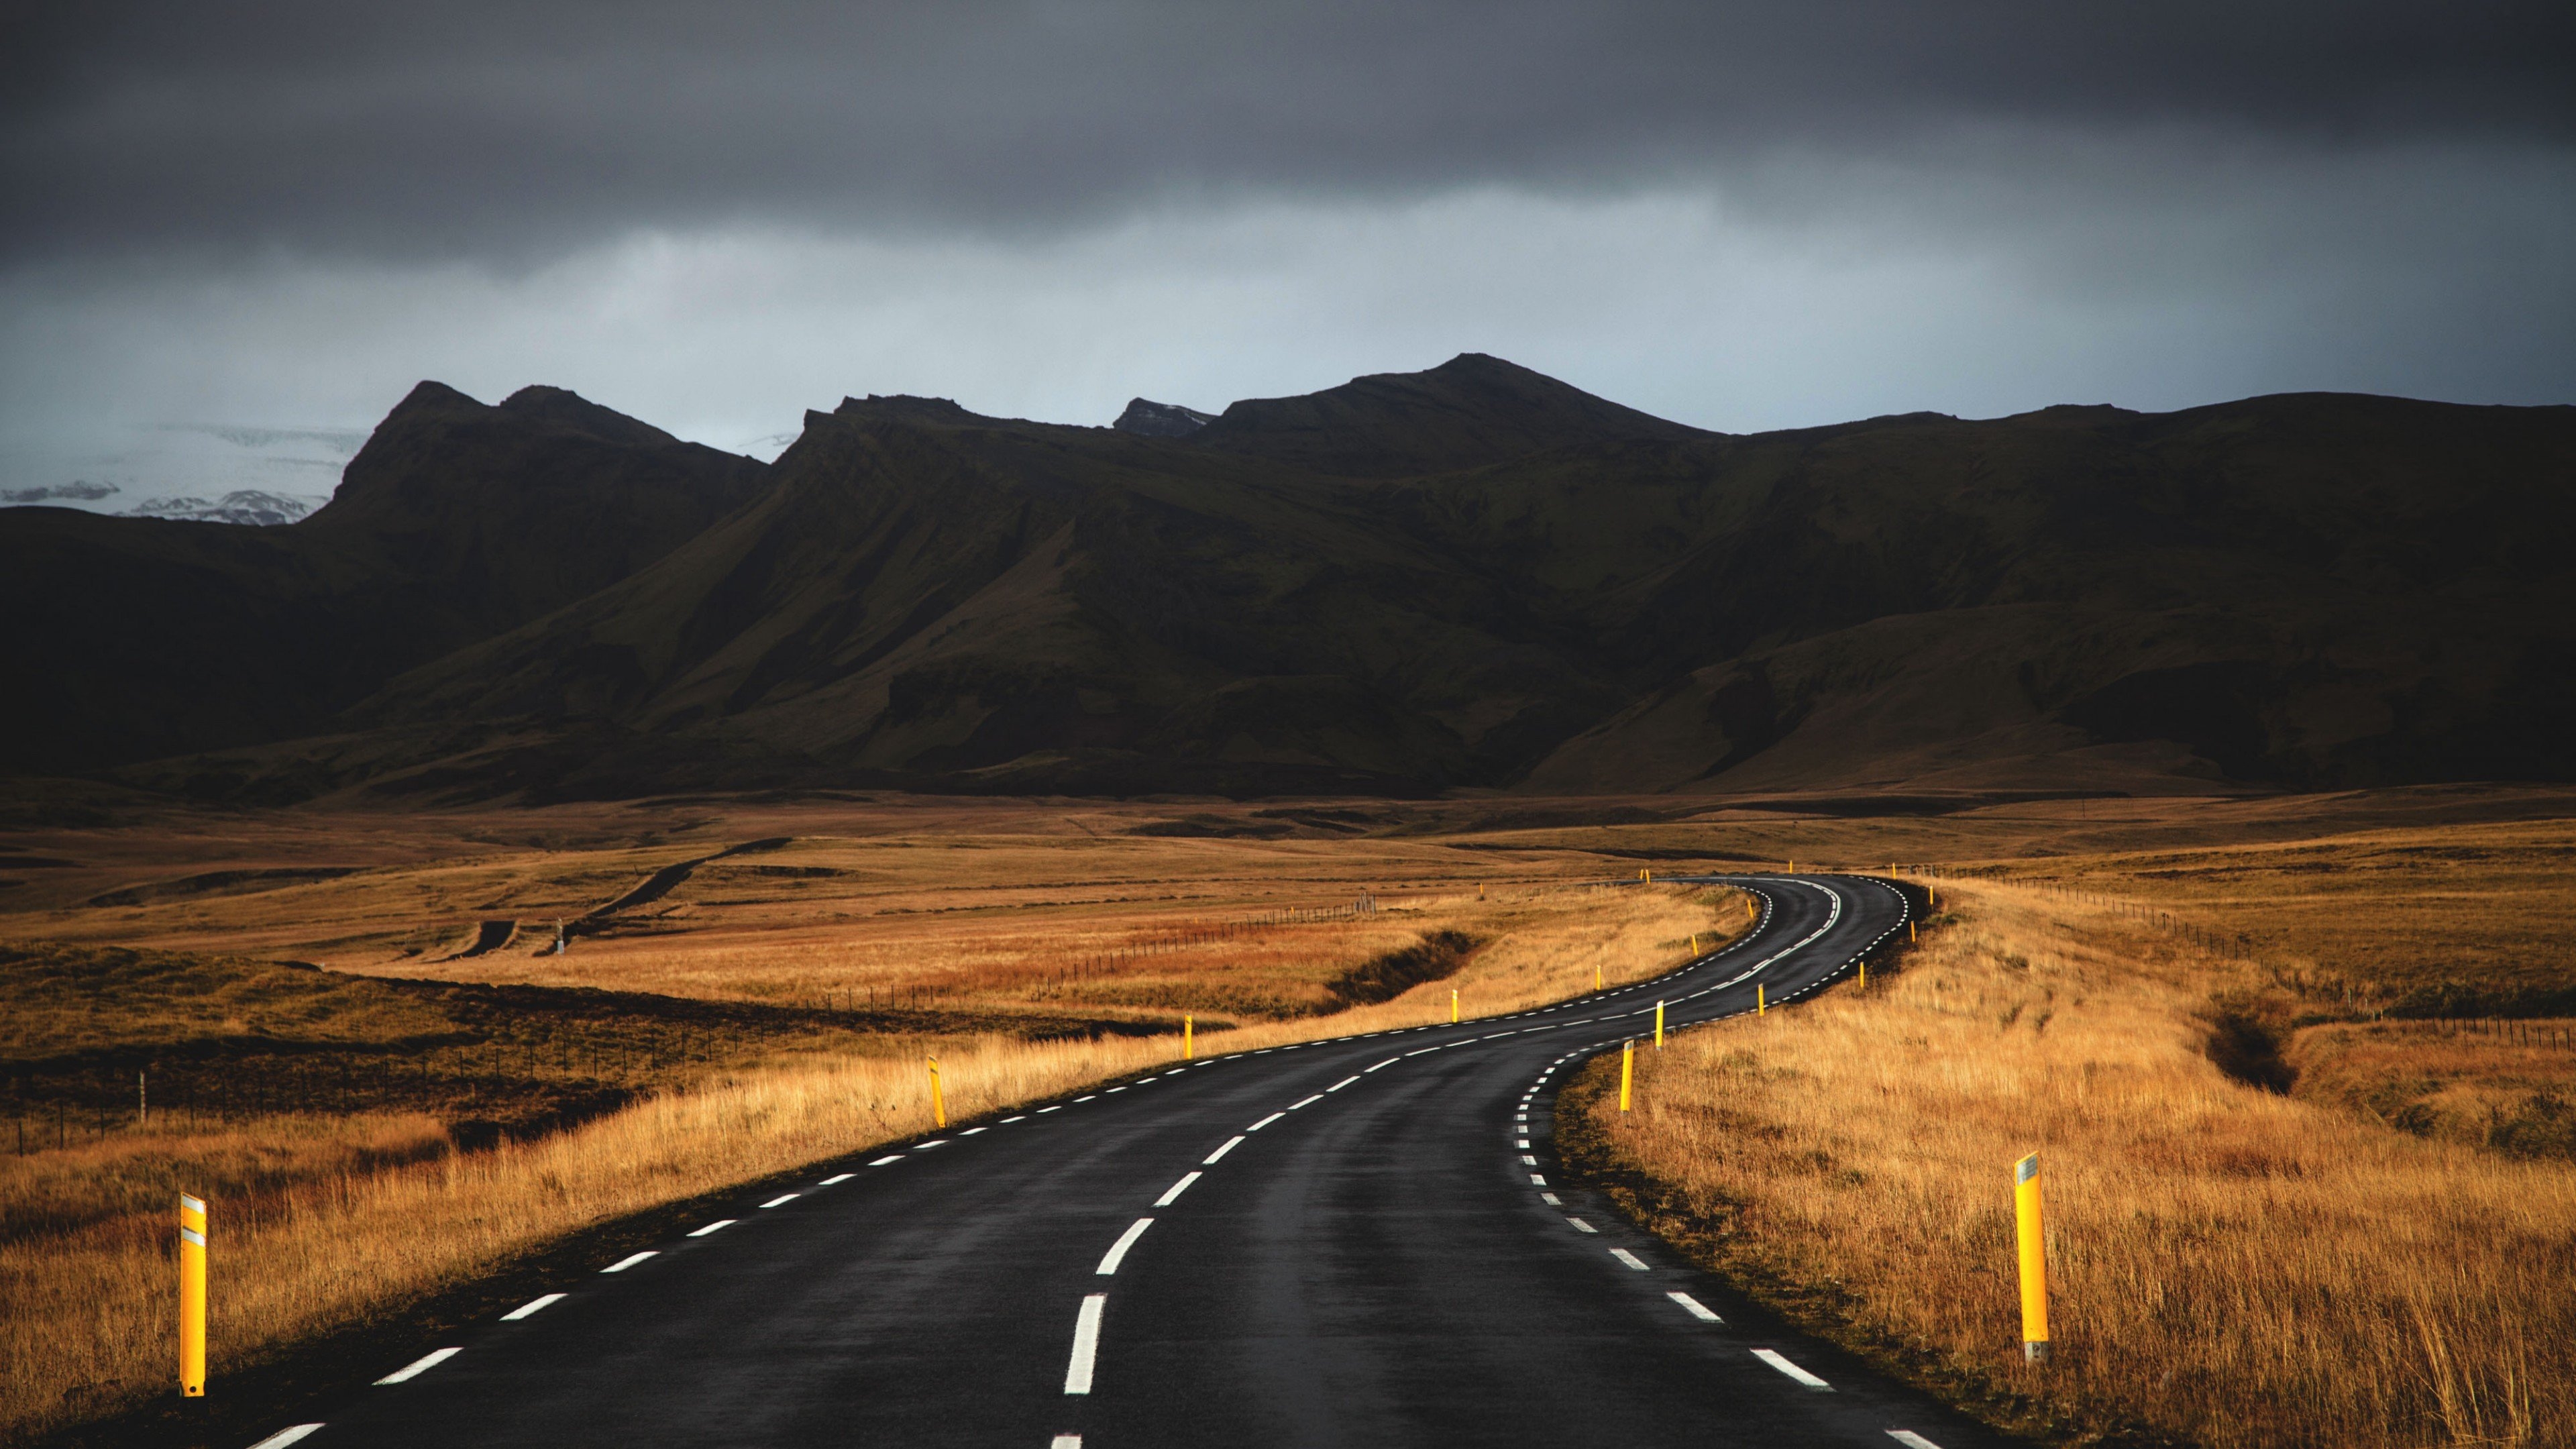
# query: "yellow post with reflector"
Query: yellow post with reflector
{"points": [[1453, 1006], [192, 1297], [1189, 1043], [2034, 1261], [1596, 978], [1627, 1071], [1694, 943], [938, 1100], [1761, 1005], [1659, 1026], [1864, 973], [1909, 932]]}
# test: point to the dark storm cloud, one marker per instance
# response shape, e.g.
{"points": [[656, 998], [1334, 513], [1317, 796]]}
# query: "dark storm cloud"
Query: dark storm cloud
{"points": [[489, 129]]}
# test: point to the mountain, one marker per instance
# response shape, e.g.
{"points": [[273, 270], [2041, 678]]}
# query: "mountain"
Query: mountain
{"points": [[152, 637], [253, 506], [1473, 576], [1160, 420]]}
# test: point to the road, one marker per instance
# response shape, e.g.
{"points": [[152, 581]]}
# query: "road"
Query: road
{"points": [[1352, 1242]]}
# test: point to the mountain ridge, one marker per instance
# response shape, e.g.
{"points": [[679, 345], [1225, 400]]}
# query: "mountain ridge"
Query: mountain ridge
{"points": [[1473, 577]]}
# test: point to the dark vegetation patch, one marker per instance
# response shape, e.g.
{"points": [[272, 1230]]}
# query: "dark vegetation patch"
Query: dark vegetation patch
{"points": [[1439, 954], [2246, 1046], [220, 882]]}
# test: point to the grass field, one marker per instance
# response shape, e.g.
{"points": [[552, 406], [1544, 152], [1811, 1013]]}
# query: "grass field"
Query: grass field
{"points": [[373, 1133], [2252, 1243], [750, 986]]}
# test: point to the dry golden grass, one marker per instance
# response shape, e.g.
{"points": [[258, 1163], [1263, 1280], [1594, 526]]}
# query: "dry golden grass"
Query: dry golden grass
{"points": [[2233, 1266], [86, 1321]]}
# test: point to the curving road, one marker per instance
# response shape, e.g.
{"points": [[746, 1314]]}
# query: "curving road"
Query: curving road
{"points": [[1352, 1242]]}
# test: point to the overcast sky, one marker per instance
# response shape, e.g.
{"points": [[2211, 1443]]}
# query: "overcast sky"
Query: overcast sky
{"points": [[246, 217]]}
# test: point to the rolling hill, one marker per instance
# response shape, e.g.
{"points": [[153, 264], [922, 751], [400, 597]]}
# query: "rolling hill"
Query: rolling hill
{"points": [[1470, 577]]}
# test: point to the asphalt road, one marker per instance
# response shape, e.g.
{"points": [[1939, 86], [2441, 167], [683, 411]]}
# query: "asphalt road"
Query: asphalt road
{"points": [[1353, 1242]]}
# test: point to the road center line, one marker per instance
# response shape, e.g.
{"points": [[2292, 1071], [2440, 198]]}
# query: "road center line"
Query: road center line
{"points": [[1631, 1259], [883, 1161], [1581, 1226], [1792, 1370], [1086, 1344], [532, 1307], [1906, 1437], [1230, 1144], [1176, 1189], [630, 1260], [1118, 1250], [718, 1225], [1390, 1061], [1266, 1121], [1309, 1102], [420, 1365], [781, 1200], [284, 1437], [836, 1179], [1344, 1082], [1696, 1309]]}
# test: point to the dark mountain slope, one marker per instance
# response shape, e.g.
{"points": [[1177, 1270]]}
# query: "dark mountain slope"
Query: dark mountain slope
{"points": [[1470, 411], [1471, 576], [150, 638]]}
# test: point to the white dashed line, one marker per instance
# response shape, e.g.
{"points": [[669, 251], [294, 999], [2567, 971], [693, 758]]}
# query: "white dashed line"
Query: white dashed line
{"points": [[836, 1179], [532, 1308], [1114, 1089], [933, 1142], [885, 1161], [1792, 1370], [1344, 1082], [1910, 1439], [1230, 1144], [629, 1261], [1631, 1259], [1695, 1308], [1309, 1102], [1058, 1107], [718, 1225], [1007, 1120], [420, 1365], [1118, 1250], [1065, 1441], [1266, 1121], [780, 1201], [284, 1437], [1581, 1226], [1551, 1199], [1537, 1181], [1086, 1344], [1087, 1096], [1175, 1190], [971, 1131], [1521, 1142], [1390, 1061]]}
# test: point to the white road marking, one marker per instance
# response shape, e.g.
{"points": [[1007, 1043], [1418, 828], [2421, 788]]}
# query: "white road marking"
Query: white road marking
{"points": [[717, 1226], [1115, 1089], [532, 1307], [1521, 1142], [1065, 1441], [1792, 1370], [1118, 1250], [1344, 1082], [1087, 1096], [1390, 1061], [1696, 1308], [1015, 1119], [1266, 1121], [1086, 1344], [420, 1365], [284, 1437], [781, 1200], [1551, 1199], [971, 1131], [1230, 1144], [836, 1179], [1906, 1437], [1422, 1051], [629, 1261], [933, 1142], [1527, 1160], [1537, 1181], [1175, 1190], [1520, 1116], [1309, 1102], [882, 1161], [1631, 1259], [1581, 1226]]}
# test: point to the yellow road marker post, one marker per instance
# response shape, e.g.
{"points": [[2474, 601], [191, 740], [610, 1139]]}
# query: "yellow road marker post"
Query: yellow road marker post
{"points": [[1627, 1071], [1453, 1006], [1189, 1043], [1694, 944], [192, 1297], [938, 1100], [1909, 932], [2034, 1261], [1760, 1005], [1596, 978], [1864, 973], [1659, 1026]]}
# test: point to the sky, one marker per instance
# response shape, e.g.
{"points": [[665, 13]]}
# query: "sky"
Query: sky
{"points": [[232, 237]]}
